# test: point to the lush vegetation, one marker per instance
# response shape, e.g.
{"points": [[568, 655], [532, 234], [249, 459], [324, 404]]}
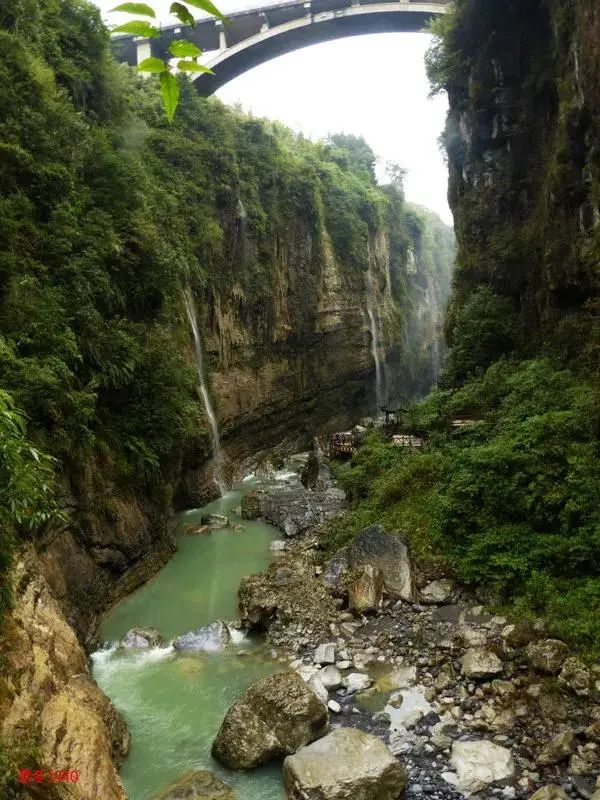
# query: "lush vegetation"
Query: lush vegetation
{"points": [[511, 504]]}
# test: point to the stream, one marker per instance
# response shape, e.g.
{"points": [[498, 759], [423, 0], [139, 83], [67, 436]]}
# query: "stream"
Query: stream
{"points": [[174, 702]]}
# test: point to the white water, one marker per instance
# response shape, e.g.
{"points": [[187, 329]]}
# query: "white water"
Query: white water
{"points": [[432, 309], [204, 394], [375, 338]]}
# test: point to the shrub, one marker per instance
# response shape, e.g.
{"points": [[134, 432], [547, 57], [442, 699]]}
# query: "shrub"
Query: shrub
{"points": [[511, 504]]}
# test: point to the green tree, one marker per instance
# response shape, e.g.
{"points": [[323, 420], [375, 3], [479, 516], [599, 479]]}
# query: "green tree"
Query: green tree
{"points": [[27, 499]]}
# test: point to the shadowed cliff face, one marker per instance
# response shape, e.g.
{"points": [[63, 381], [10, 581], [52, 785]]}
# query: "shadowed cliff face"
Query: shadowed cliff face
{"points": [[522, 140]]}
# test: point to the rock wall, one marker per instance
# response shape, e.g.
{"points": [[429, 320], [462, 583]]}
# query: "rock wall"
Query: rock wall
{"points": [[52, 711], [281, 384], [522, 141]]}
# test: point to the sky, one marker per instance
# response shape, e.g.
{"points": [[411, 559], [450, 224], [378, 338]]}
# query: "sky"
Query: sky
{"points": [[373, 86]]}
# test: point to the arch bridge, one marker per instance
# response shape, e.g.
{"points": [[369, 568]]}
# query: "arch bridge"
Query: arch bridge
{"points": [[256, 35]]}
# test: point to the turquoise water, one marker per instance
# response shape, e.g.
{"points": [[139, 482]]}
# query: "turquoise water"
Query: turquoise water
{"points": [[175, 702]]}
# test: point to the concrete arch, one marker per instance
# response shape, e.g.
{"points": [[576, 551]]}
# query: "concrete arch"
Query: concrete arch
{"points": [[313, 29]]}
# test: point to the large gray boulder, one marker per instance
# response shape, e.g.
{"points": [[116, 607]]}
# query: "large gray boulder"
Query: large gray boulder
{"points": [[200, 785], [209, 638], [347, 764], [576, 677], [479, 764], [273, 718], [295, 510], [365, 589], [548, 655], [141, 639], [560, 748], [478, 662], [388, 553], [438, 592]]}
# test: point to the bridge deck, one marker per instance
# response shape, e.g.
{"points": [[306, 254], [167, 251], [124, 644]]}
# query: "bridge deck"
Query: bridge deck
{"points": [[254, 35]]}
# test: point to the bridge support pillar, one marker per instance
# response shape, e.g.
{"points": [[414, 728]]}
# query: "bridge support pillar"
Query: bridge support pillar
{"points": [[143, 50], [222, 36]]}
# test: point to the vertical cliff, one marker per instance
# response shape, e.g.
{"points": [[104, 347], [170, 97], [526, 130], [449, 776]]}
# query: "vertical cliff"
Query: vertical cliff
{"points": [[522, 141]]}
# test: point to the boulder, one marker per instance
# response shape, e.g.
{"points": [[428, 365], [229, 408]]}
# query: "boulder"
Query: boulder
{"points": [[316, 684], [480, 763], [593, 731], [438, 592], [209, 638], [251, 504], [347, 764], [316, 474], [519, 634], [480, 663], [273, 718], [356, 682], [325, 654], [388, 553], [473, 637], [331, 677], [200, 785], [550, 792], [399, 678], [576, 677], [196, 530], [558, 749], [583, 763], [365, 589], [141, 638], [215, 521], [584, 786], [336, 568], [547, 655], [295, 510]]}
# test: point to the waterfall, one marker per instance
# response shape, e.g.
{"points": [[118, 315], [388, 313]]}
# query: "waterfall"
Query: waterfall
{"points": [[432, 308], [374, 324], [210, 413]]}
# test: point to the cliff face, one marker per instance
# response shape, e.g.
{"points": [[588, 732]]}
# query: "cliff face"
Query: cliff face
{"points": [[522, 140], [312, 367], [54, 717]]}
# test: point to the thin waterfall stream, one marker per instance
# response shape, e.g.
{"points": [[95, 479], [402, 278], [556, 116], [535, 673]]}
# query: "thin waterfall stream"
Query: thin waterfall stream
{"points": [[375, 338], [204, 393]]}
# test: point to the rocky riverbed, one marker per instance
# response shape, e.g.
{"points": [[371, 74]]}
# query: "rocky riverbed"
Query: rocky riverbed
{"points": [[470, 704]]}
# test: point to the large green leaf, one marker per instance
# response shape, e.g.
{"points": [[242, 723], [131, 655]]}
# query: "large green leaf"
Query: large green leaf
{"points": [[182, 13], [208, 6], [169, 89], [184, 49], [135, 8], [152, 65], [193, 66], [138, 28]]}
